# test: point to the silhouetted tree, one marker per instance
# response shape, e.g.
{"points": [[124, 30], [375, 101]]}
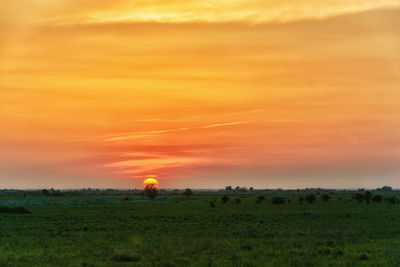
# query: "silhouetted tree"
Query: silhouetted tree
{"points": [[244, 189], [311, 198], [368, 196], [385, 188], [359, 197], [45, 192], [151, 191], [325, 197], [225, 199], [188, 192], [377, 198]]}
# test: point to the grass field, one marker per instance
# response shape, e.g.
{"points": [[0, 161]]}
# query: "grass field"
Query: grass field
{"points": [[174, 230]]}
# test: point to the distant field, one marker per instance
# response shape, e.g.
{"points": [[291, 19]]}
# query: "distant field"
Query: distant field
{"points": [[174, 230]]}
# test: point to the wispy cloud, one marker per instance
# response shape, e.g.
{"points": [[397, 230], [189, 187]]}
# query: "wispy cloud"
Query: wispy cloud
{"points": [[150, 165], [153, 133], [226, 124], [191, 118], [146, 134], [135, 135], [193, 11]]}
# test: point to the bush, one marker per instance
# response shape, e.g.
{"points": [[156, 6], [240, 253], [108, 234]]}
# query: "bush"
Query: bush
{"points": [[311, 198], [278, 200], [391, 199], [359, 197], [301, 199], [325, 197], [377, 198], [212, 204], [125, 256], [188, 192], [225, 199], [16, 210], [261, 198], [238, 200]]}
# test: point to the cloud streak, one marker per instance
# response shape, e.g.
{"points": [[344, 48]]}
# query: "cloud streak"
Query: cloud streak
{"points": [[135, 135], [192, 11], [146, 134], [226, 124], [153, 133]]}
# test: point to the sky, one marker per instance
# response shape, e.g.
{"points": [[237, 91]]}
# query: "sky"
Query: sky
{"points": [[199, 94]]}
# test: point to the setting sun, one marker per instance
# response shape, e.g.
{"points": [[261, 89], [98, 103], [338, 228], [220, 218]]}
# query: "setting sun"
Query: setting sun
{"points": [[150, 183]]}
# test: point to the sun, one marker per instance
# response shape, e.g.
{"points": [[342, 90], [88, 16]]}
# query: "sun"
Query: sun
{"points": [[150, 183]]}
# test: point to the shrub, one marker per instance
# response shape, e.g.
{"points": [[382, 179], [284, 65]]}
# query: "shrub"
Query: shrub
{"points": [[368, 196], [188, 192], [278, 200], [125, 256], [238, 200], [212, 204], [377, 198], [261, 198], [391, 199], [359, 197], [45, 192], [311, 198], [246, 247], [325, 197], [225, 199], [56, 193], [16, 210], [301, 199]]}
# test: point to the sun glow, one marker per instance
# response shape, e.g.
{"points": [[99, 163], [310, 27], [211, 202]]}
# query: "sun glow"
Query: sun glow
{"points": [[150, 183]]}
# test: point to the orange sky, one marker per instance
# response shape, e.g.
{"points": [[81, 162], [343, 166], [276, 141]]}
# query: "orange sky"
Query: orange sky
{"points": [[201, 94]]}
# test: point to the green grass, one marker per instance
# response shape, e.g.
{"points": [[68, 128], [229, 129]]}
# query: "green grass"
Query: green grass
{"points": [[178, 231]]}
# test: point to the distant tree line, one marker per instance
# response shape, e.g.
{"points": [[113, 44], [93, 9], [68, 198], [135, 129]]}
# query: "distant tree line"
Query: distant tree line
{"points": [[310, 198]]}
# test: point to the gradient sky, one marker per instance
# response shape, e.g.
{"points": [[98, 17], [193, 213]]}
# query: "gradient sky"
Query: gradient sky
{"points": [[201, 94]]}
